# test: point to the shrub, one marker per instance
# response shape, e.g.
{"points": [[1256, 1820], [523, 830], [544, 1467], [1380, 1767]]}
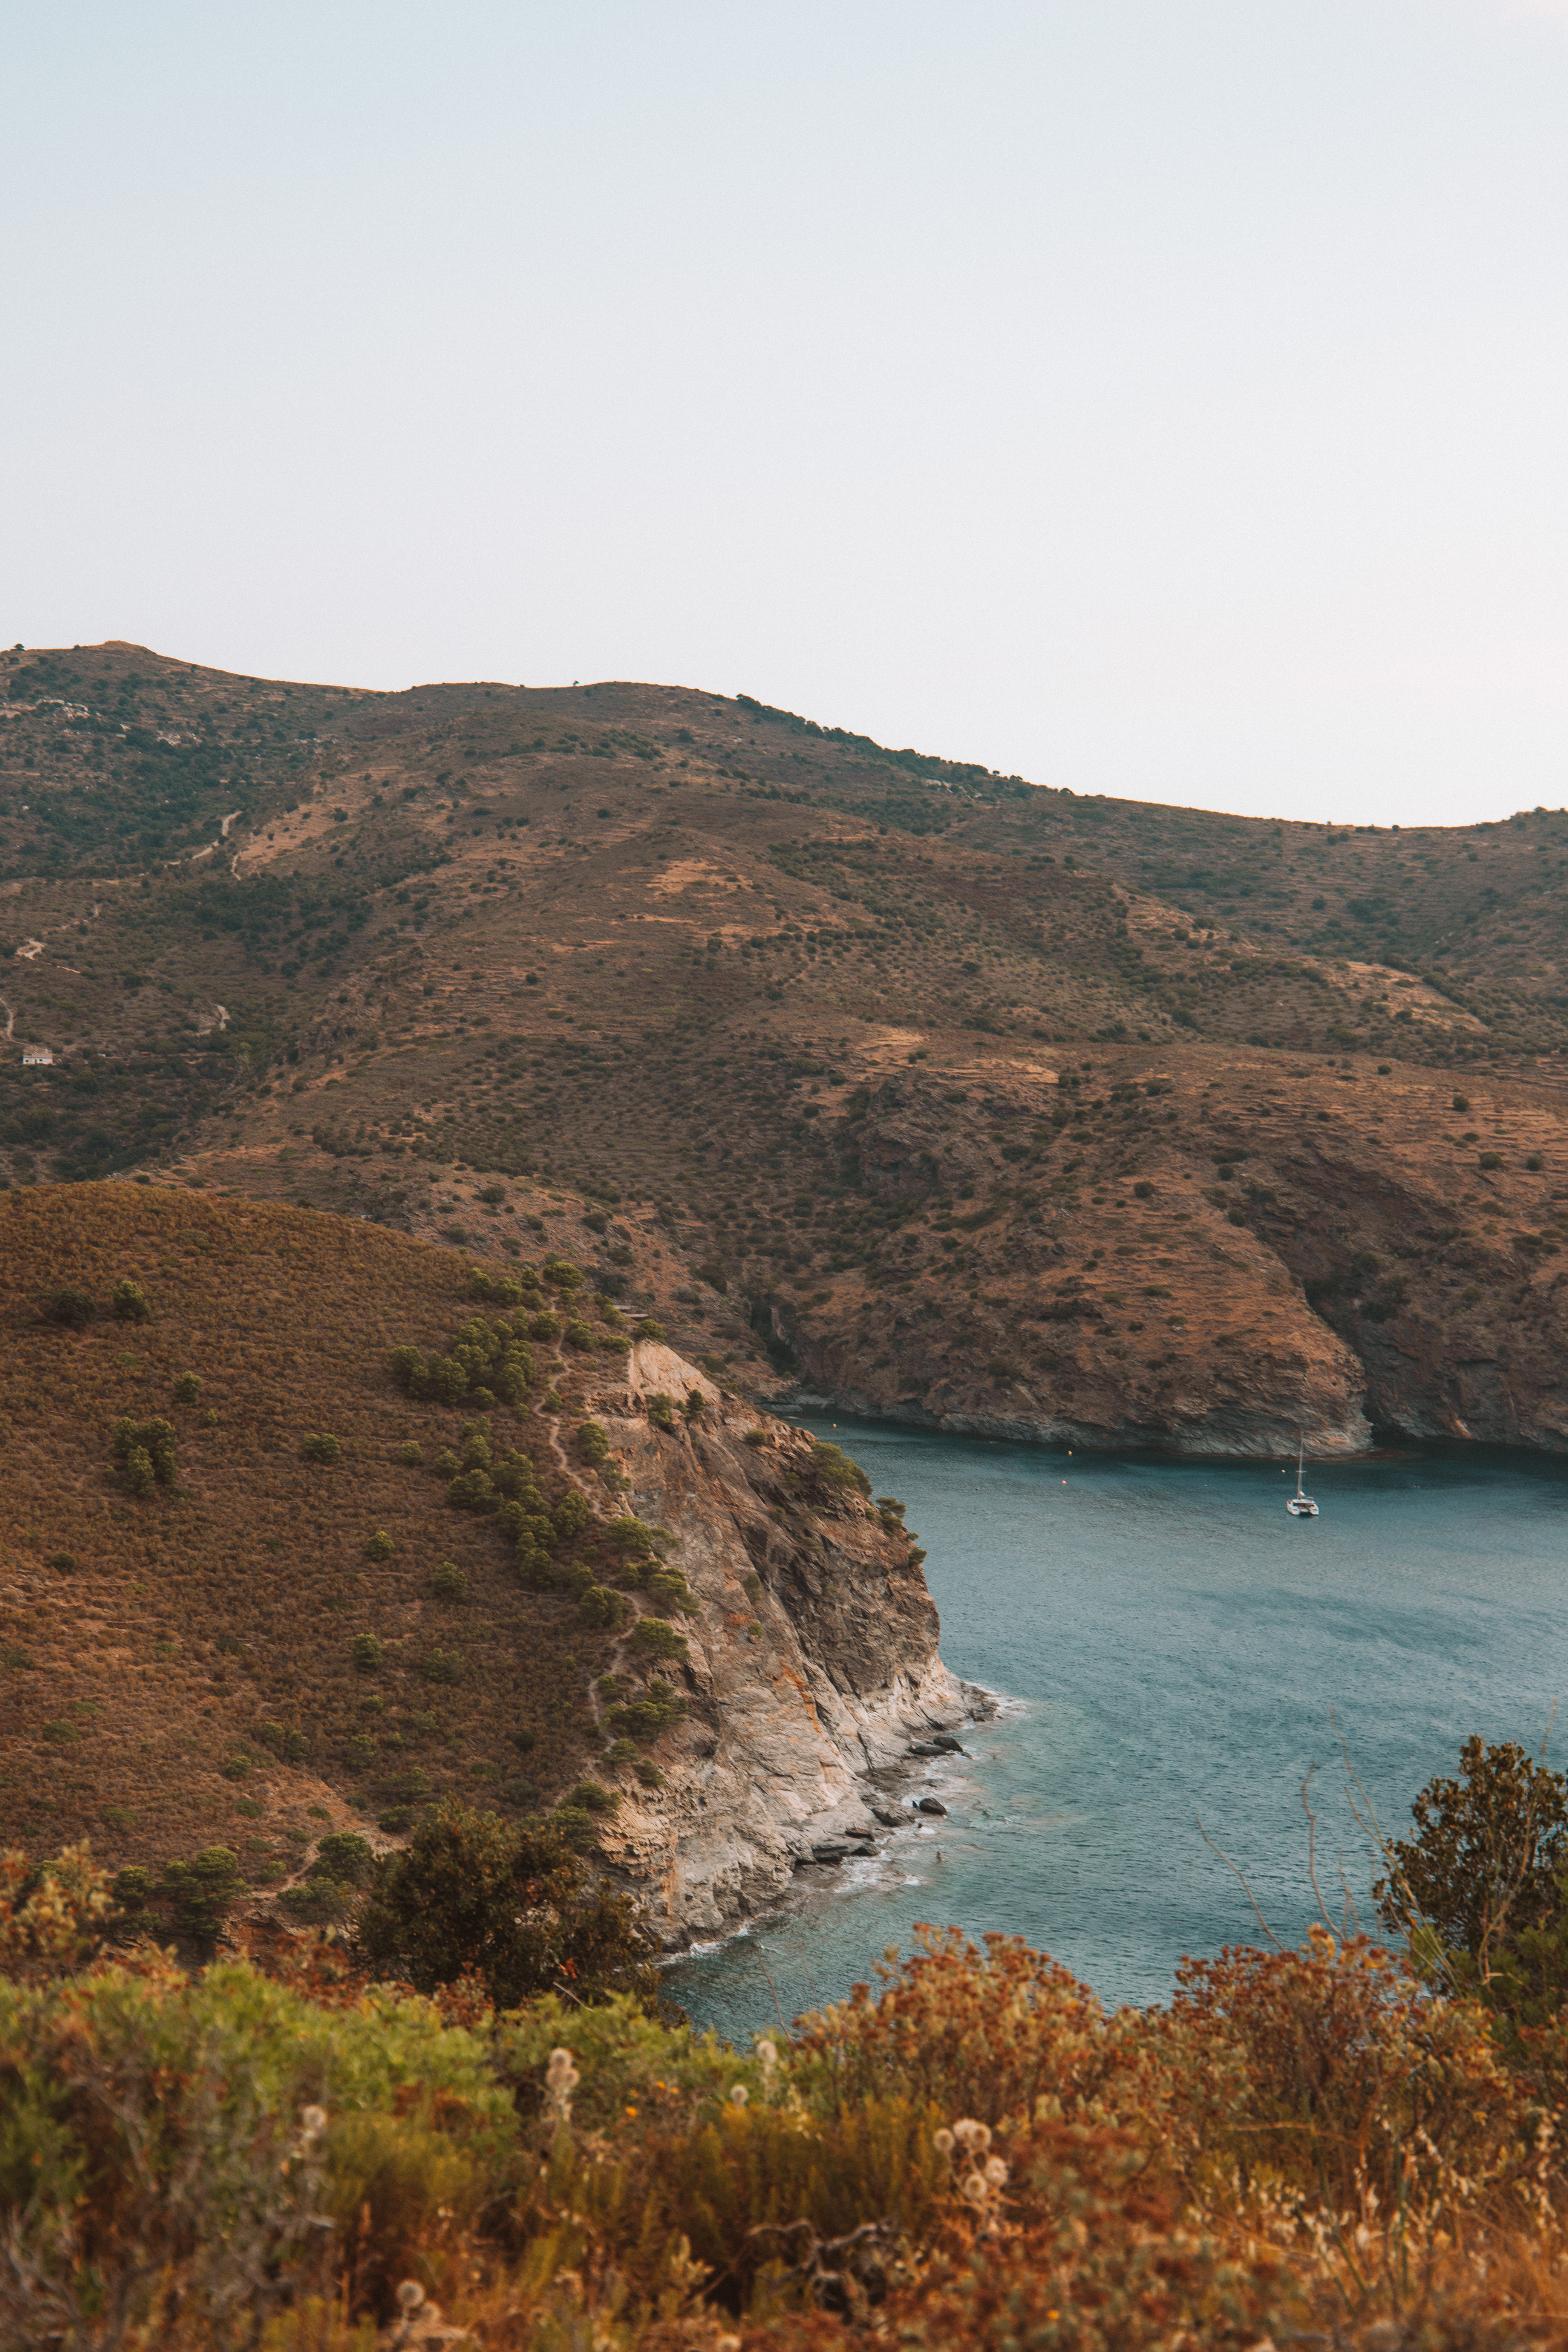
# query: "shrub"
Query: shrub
{"points": [[660, 1706], [53, 1916], [320, 1447], [755, 1437], [661, 1411], [1461, 1102], [320, 1901], [69, 1308], [366, 1654], [649, 1327], [831, 1472], [592, 1442], [345, 1856], [512, 1904], [572, 1514], [1534, 1162], [444, 1666], [203, 1891], [129, 1303], [447, 1582], [1143, 1192], [1486, 1855], [652, 1638], [146, 1451], [580, 1335], [188, 1387], [1488, 1160], [64, 1563], [562, 1274], [379, 1545], [603, 1608], [590, 1797], [410, 1454]]}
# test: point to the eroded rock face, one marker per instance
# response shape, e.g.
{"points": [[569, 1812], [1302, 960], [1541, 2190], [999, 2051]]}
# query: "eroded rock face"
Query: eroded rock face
{"points": [[812, 1655]]}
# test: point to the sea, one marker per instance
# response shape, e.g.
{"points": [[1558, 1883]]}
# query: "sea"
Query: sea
{"points": [[1208, 1712]]}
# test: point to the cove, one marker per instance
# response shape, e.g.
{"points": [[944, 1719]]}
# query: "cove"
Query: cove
{"points": [[1170, 1645]]}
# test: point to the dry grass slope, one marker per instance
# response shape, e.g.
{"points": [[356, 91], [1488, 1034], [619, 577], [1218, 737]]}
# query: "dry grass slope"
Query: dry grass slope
{"points": [[147, 1641]]}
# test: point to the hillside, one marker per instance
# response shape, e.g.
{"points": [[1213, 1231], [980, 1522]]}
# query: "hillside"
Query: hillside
{"points": [[951, 1096], [306, 1619]]}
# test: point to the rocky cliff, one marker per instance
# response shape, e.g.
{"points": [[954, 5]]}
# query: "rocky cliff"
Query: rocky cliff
{"points": [[812, 1658]]}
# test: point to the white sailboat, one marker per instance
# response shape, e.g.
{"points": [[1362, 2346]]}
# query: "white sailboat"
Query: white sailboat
{"points": [[1300, 1505]]}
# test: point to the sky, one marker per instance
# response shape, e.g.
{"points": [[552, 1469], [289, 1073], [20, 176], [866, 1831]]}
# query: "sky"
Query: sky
{"points": [[1158, 397]]}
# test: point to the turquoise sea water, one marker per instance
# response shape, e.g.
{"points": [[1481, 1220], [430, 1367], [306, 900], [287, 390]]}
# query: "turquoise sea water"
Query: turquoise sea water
{"points": [[1171, 1645]]}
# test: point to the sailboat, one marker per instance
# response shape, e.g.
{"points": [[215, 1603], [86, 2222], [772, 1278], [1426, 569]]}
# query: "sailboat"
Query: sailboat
{"points": [[1300, 1505]]}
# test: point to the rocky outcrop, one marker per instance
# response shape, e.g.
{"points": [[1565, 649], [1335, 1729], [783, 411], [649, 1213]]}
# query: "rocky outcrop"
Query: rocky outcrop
{"points": [[811, 1660]]}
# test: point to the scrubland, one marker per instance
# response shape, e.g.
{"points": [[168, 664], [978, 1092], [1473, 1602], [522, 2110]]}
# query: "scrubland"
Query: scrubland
{"points": [[1300, 2148]]}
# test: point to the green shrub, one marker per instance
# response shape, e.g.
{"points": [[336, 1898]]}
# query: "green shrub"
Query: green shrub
{"points": [[592, 1442], [61, 1733], [661, 1410], [1534, 1162], [830, 1470], [203, 1891], [447, 1582], [409, 1455], [272, 1735], [444, 1666], [1488, 1160], [1461, 1102], [562, 1274], [320, 1901], [472, 1490], [188, 1387], [543, 1327], [320, 1447], [129, 1303], [649, 1774], [660, 1706], [603, 1608], [379, 1545], [366, 1654], [473, 1892], [755, 1437], [237, 1768], [572, 1514], [343, 1855], [145, 1449], [591, 1798], [649, 1328], [652, 1638], [71, 1309]]}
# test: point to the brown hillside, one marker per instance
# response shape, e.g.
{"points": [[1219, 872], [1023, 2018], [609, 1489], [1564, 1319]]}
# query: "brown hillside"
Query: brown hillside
{"points": [[853, 1055], [146, 1640]]}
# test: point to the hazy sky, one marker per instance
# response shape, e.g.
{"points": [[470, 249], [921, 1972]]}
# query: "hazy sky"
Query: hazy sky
{"points": [[1164, 399]]}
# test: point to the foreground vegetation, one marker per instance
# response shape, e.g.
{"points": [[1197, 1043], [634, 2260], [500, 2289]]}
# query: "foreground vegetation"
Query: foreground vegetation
{"points": [[469, 2121]]}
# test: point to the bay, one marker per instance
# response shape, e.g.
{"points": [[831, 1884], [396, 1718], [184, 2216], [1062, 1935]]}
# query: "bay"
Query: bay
{"points": [[1172, 1649]]}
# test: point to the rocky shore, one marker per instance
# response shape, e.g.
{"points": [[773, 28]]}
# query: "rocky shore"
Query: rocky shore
{"points": [[812, 1669]]}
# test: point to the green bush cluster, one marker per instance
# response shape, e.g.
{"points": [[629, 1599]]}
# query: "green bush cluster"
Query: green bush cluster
{"points": [[645, 1717], [319, 1445], [486, 1362], [145, 1452], [293, 1747]]}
